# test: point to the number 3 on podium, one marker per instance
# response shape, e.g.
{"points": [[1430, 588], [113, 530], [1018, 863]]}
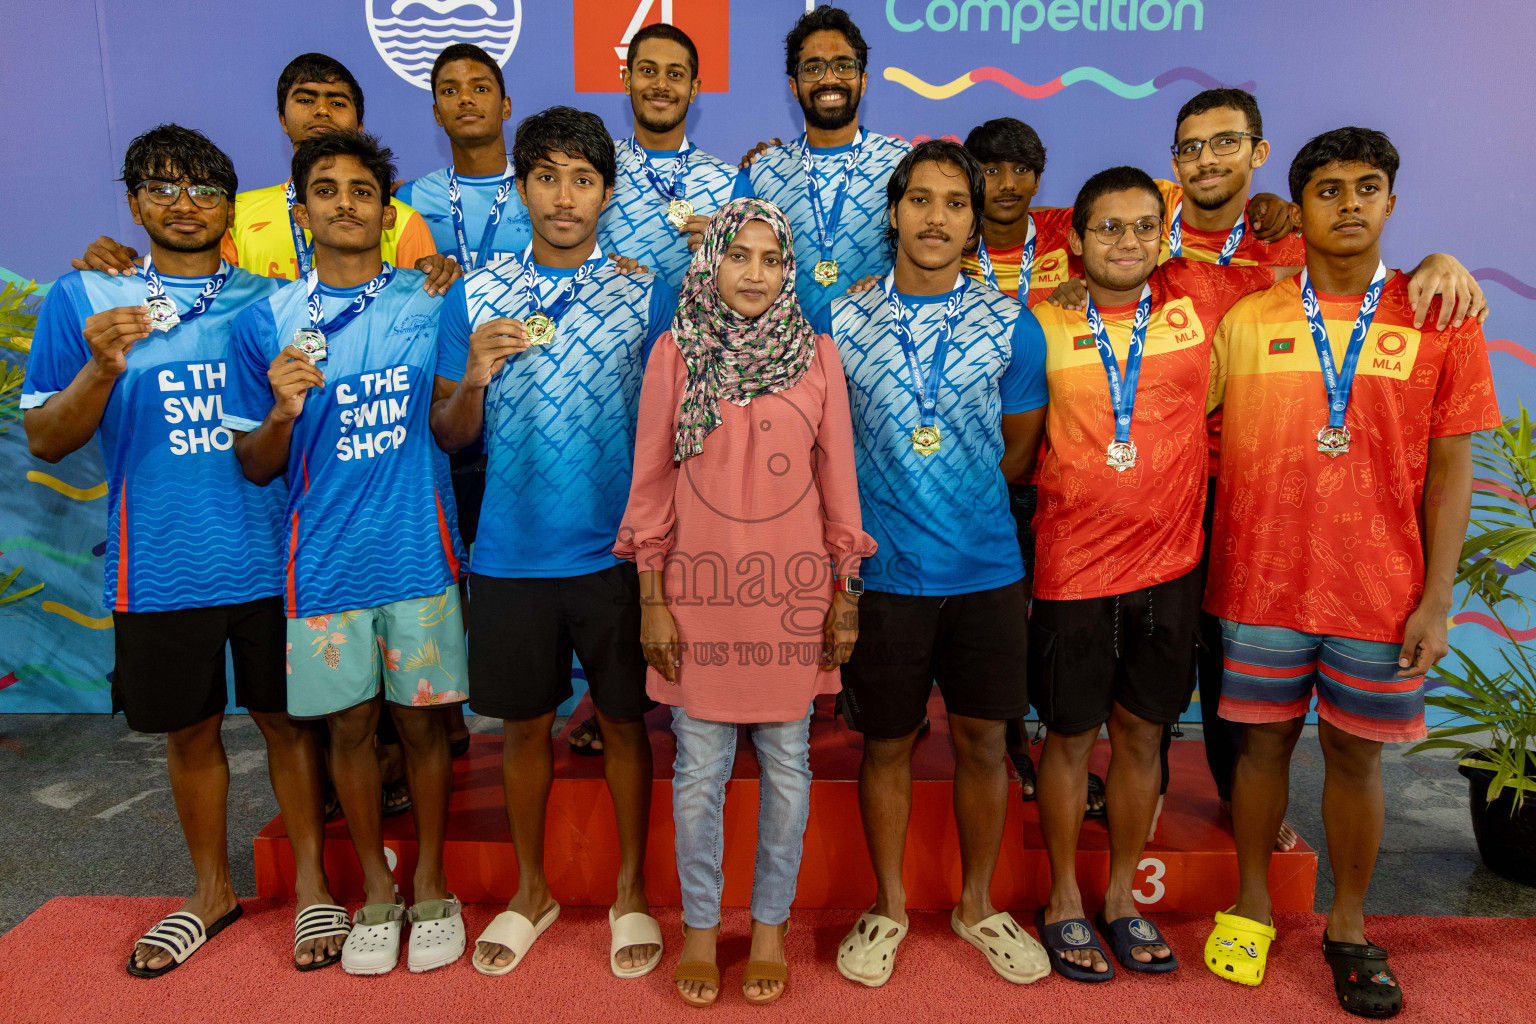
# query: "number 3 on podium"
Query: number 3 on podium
{"points": [[1153, 883]]}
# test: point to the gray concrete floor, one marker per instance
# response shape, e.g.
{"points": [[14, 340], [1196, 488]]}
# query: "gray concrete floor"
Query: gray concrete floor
{"points": [[85, 809]]}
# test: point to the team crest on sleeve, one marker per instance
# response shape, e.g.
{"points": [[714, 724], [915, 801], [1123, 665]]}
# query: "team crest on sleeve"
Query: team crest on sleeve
{"points": [[408, 34]]}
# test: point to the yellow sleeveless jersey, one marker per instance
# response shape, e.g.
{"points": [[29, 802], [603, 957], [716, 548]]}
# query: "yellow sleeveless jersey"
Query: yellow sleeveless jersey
{"points": [[262, 242]]}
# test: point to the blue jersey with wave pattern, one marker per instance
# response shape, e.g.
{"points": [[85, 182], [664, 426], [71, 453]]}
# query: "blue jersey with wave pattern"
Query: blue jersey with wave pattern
{"points": [[634, 223], [428, 196], [942, 521], [370, 516], [185, 529], [559, 420], [859, 246]]}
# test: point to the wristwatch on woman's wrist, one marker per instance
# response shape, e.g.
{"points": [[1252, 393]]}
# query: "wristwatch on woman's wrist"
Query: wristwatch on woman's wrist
{"points": [[850, 585]]}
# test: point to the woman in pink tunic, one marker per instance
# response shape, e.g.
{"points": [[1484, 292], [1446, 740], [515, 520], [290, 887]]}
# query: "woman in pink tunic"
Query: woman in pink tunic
{"points": [[743, 520]]}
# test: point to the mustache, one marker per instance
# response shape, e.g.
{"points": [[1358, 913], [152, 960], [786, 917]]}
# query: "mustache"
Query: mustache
{"points": [[942, 236]]}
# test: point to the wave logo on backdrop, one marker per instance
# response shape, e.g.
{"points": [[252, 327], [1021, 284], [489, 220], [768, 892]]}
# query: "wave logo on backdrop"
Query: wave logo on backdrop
{"points": [[409, 34]]}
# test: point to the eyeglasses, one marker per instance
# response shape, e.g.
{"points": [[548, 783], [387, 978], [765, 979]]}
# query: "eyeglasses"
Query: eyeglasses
{"points": [[164, 193], [1111, 231], [816, 70], [1224, 144]]}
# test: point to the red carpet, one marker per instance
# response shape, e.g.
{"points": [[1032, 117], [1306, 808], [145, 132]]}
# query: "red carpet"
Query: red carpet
{"points": [[65, 963]]}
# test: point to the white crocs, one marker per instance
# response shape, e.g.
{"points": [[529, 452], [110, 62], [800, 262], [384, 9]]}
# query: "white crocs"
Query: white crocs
{"points": [[867, 954], [374, 945], [437, 934]]}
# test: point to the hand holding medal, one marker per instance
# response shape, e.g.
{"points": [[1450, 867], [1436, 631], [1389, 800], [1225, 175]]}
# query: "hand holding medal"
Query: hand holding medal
{"points": [[111, 334], [291, 374], [491, 345]]}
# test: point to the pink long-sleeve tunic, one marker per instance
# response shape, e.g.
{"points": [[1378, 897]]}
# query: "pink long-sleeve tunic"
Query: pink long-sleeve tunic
{"points": [[747, 535]]}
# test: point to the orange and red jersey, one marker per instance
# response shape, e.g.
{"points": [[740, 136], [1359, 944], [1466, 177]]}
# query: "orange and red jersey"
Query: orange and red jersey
{"points": [[1322, 544], [1205, 246], [1100, 532], [1050, 267]]}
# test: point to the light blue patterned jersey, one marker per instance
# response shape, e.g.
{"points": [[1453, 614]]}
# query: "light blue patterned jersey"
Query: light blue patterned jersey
{"points": [[370, 516], [185, 529], [942, 521], [634, 223], [559, 419], [428, 196], [859, 247]]}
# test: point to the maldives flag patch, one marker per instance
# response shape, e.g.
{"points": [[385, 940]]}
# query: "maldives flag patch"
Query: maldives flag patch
{"points": [[1282, 346], [1082, 341]]}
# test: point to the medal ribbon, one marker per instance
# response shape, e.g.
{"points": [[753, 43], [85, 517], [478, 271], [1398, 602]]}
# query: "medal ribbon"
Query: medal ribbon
{"points": [[204, 299], [1026, 261], [1122, 390], [566, 294], [362, 301], [673, 189], [927, 390], [300, 246], [1228, 248], [1340, 380], [826, 223], [488, 239]]}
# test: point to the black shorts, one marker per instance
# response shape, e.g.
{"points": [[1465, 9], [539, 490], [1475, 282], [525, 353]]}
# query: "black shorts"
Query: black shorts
{"points": [[1136, 650], [468, 476], [522, 633], [170, 665], [972, 645]]}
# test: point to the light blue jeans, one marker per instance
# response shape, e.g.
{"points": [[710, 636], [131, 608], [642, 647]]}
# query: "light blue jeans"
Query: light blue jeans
{"points": [[705, 751]]}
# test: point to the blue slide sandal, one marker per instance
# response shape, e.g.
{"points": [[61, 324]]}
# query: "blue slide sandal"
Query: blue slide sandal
{"points": [[1127, 933], [1076, 933]]}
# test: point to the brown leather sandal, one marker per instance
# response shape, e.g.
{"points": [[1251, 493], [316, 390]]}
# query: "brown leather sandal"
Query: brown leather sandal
{"points": [[764, 970], [697, 970]]}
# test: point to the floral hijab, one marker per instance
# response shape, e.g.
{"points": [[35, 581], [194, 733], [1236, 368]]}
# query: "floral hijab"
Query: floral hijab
{"points": [[729, 356]]}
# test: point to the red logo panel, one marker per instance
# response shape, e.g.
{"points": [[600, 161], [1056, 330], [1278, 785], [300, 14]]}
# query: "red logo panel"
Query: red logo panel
{"points": [[604, 28]]}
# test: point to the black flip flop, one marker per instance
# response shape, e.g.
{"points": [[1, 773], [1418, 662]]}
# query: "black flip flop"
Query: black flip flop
{"points": [[1362, 980], [585, 749], [1126, 933], [1026, 769], [1096, 786], [392, 789]]}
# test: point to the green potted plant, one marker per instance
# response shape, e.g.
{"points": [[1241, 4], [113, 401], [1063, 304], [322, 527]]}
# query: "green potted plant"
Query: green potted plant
{"points": [[1497, 703]]}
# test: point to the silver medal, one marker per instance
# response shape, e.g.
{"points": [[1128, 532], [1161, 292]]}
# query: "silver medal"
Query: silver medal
{"points": [[311, 342], [162, 313]]}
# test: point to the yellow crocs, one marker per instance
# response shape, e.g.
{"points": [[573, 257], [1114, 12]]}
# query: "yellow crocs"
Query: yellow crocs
{"points": [[1238, 948]]}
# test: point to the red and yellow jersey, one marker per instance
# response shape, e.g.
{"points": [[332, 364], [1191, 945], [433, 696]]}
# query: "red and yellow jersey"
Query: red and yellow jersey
{"points": [[1100, 532], [262, 242], [1323, 544], [1205, 246], [1050, 267]]}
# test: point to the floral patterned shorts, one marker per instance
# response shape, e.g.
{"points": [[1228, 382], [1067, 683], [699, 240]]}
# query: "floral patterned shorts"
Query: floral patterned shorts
{"points": [[413, 649]]}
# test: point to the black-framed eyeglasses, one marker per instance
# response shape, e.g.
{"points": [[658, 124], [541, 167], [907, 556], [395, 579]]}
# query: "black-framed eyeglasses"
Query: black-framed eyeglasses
{"points": [[165, 193], [1111, 231], [816, 70], [1224, 144]]}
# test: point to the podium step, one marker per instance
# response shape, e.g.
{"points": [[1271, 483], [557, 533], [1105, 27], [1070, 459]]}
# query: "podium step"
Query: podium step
{"points": [[1190, 867]]}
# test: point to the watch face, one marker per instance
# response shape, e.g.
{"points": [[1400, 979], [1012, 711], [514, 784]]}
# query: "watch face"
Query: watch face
{"points": [[853, 585]]}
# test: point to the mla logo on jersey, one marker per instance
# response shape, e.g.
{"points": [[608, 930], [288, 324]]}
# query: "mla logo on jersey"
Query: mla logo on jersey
{"points": [[607, 26], [409, 34]]}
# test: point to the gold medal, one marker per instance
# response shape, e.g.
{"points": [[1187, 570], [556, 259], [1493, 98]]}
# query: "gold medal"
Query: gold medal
{"points": [[925, 440], [1333, 441], [678, 212], [540, 328], [1120, 456], [825, 272]]}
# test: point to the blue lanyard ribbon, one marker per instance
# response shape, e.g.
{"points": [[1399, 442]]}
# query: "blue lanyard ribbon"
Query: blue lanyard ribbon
{"points": [[566, 293], [1122, 389], [1339, 381], [301, 247], [354, 309], [1228, 248], [488, 239], [1026, 261], [670, 190], [826, 222], [926, 388], [204, 299]]}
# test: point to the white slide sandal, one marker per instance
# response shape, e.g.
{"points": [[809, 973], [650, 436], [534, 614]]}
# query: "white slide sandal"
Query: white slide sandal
{"points": [[867, 954], [1012, 951], [514, 931], [633, 930], [437, 934]]}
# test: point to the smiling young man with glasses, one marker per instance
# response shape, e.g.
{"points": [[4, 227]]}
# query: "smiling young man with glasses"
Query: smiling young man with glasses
{"points": [[193, 557], [1114, 625], [831, 182]]}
